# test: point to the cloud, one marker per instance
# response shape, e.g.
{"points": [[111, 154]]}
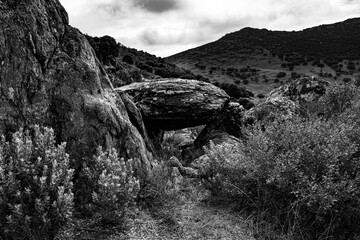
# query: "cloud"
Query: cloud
{"points": [[158, 6], [164, 27]]}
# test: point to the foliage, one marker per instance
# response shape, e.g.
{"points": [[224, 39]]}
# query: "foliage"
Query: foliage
{"points": [[106, 48], [145, 67], [281, 75], [246, 103], [301, 174], [236, 91], [162, 193], [338, 98], [128, 59], [116, 188], [36, 197]]}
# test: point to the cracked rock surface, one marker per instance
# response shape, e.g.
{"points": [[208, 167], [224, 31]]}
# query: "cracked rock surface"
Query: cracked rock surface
{"points": [[49, 75]]}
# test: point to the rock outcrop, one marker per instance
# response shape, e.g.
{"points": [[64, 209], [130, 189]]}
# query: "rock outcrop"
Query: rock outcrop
{"points": [[287, 100], [49, 75], [172, 104], [305, 89]]}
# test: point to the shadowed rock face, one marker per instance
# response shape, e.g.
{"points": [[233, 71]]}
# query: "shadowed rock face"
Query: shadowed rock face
{"points": [[49, 75]]}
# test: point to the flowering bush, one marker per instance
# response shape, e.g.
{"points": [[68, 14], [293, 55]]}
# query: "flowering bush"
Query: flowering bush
{"points": [[36, 197], [116, 189]]}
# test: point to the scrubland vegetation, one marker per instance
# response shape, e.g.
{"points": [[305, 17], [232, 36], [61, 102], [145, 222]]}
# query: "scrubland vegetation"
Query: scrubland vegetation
{"points": [[299, 178], [291, 179]]}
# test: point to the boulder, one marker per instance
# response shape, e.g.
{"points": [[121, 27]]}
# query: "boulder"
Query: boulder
{"points": [[228, 122], [271, 108], [286, 101], [304, 89], [49, 75]]}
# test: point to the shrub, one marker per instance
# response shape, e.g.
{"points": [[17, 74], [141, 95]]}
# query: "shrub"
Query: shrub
{"points": [[261, 95], [145, 67], [128, 59], [301, 175], [202, 67], [357, 81], [162, 194], [36, 197], [116, 188], [338, 98], [246, 103], [351, 66], [347, 80], [281, 74], [234, 90], [106, 48]]}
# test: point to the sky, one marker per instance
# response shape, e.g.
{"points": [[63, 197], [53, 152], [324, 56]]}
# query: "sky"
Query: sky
{"points": [[166, 27]]}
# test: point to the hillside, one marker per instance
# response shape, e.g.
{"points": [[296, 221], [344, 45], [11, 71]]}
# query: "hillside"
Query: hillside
{"points": [[126, 65], [264, 59]]}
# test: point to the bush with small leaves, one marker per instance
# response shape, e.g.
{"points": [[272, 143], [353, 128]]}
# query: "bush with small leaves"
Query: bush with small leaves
{"points": [[128, 59], [162, 193], [302, 175], [145, 67], [261, 95], [234, 90], [281, 75], [338, 98], [351, 66], [36, 198], [116, 190]]}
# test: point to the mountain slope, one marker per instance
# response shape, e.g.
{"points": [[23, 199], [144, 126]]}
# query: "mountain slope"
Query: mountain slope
{"points": [[256, 56], [127, 65]]}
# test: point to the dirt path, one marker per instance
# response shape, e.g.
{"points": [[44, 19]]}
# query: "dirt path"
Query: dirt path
{"points": [[198, 221]]}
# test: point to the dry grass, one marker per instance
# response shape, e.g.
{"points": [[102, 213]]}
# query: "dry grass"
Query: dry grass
{"points": [[198, 221], [194, 219], [268, 66]]}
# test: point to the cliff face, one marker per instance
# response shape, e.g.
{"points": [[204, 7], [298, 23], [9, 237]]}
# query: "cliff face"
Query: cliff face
{"points": [[49, 75]]}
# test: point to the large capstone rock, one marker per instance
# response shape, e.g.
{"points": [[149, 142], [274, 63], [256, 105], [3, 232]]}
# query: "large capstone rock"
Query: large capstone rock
{"points": [[171, 104], [49, 75]]}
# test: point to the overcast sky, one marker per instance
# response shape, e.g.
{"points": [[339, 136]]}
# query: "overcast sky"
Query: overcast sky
{"points": [[166, 27]]}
